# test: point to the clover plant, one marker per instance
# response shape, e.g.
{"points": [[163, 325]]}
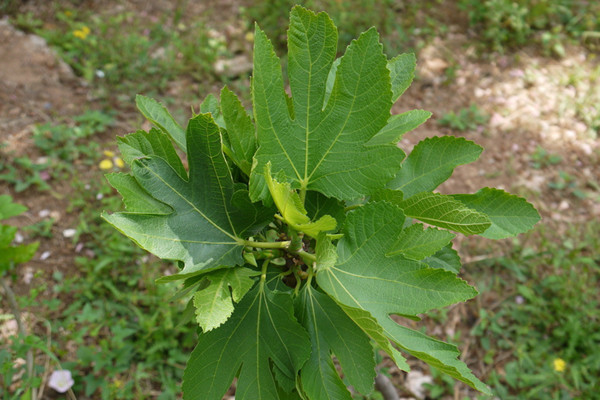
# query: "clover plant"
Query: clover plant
{"points": [[300, 229]]}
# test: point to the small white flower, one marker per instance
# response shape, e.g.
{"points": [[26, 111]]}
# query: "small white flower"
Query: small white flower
{"points": [[61, 380], [100, 74], [519, 299], [69, 233]]}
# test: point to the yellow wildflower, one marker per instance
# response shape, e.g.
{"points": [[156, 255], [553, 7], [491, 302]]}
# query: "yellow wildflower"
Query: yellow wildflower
{"points": [[82, 33], [559, 365], [108, 153], [119, 162], [68, 13], [106, 164]]}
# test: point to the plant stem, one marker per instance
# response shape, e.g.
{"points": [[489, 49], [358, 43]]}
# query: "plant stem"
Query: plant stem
{"points": [[22, 330], [386, 387], [263, 274], [267, 245]]}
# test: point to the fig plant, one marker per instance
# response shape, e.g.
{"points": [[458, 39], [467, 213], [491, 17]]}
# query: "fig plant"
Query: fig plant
{"points": [[299, 229]]}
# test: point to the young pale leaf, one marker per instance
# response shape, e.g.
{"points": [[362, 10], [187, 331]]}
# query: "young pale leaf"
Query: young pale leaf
{"points": [[261, 330], [8, 208], [154, 143], [431, 162], [398, 125], [239, 131], [509, 214], [366, 279], [446, 212], [447, 258], [159, 116], [292, 210], [402, 73], [204, 230], [214, 303], [417, 243], [322, 149], [332, 331]]}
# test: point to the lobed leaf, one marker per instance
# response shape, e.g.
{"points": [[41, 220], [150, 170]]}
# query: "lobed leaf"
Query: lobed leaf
{"points": [[431, 162], [261, 330], [417, 243], [446, 258], [239, 131], [332, 331], [402, 73], [159, 116], [214, 303], [364, 278], [510, 215], [322, 149], [209, 215], [446, 212]]}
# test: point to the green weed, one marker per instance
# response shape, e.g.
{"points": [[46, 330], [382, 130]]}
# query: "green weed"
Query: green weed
{"points": [[507, 23], [466, 119], [549, 321]]}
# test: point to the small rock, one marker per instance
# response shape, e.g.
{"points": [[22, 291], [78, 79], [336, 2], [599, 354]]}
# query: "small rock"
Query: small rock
{"points": [[415, 381], [45, 255], [236, 66], [69, 233]]}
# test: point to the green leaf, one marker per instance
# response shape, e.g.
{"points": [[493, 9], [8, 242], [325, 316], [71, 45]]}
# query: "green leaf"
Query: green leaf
{"points": [[447, 258], [398, 125], [8, 208], [292, 210], [385, 283], [317, 206], [142, 144], [431, 162], [13, 255], [510, 215], [159, 116], [332, 331], [322, 149], [364, 278], [136, 199], [211, 105], [446, 212], [416, 243], [205, 229], [402, 72], [326, 255], [438, 354], [240, 131], [261, 330], [214, 303]]}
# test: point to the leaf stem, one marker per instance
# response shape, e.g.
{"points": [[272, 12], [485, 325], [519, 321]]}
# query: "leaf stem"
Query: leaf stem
{"points": [[267, 245], [263, 274]]}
